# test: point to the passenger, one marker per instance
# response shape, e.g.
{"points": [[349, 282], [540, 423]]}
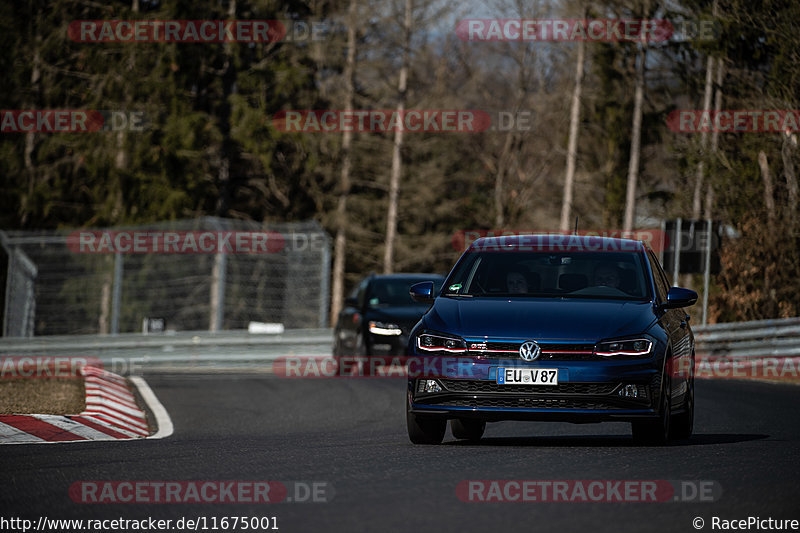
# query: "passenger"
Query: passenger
{"points": [[606, 275]]}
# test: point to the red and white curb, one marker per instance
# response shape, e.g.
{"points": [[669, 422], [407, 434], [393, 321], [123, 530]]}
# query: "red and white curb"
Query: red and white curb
{"points": [[111, 413]]}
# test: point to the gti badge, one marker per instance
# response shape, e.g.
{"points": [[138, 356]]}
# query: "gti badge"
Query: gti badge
{"points": [[529, 351]]}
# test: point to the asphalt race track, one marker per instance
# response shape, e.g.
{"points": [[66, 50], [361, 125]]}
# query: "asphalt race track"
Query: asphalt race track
{"points": [[350, 434]]}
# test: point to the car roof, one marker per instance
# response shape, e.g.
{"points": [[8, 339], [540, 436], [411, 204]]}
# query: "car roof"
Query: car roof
{"points": [[411, 275], [557, 243]]}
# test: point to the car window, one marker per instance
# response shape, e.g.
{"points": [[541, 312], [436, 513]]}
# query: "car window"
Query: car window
{"points": [[360, 292], [546, 274], [660, 279]]}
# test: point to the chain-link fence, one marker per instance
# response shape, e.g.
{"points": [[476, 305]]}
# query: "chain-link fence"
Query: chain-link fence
{"points": [[19, 303], [215, 274]]}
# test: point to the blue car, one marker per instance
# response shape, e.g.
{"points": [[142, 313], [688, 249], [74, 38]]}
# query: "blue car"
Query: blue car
{"points": [[552, 327]]}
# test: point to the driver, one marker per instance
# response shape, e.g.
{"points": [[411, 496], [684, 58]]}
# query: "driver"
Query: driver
{"points": [[606, 275], [516, 281]]}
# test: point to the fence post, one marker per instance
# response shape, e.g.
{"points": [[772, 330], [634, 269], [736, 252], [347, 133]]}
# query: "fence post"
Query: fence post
{"points": [[116, 295], [676, 252], [325, 272], [217, 307], [706, 270]]}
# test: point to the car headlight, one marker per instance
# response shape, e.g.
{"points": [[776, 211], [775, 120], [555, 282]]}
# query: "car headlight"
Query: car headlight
{"points": [[430, 342], [384, 328], [624, 347]]}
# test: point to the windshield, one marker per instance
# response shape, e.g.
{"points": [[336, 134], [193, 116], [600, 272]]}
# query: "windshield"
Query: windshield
{"points": [[547, 274], [394, 292]]}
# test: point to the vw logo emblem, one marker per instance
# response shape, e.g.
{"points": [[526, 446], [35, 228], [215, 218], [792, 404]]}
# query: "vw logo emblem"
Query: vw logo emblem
{"points": [[529, 351]]}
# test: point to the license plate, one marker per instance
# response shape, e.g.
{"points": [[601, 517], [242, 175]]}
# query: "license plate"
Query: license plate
{"points": [[527, 376]]}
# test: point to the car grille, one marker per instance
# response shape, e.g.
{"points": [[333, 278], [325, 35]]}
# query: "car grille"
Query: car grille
{"points": [[468, 385], [527, 403], [550, 352]]}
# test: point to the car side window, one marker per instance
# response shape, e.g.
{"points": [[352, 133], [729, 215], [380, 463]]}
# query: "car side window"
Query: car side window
{"points": [[662, 285], [362, 292]]}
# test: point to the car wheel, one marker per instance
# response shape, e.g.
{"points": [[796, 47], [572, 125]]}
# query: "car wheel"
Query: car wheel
{"points": [[337, 347], [682, 424], [423, 429], [361, 347], [656, 431], [467, 429], [356, 363]]}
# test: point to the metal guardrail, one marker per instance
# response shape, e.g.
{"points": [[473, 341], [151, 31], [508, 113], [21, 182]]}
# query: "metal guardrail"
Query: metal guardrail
{"points": [[179, 351], [240, 350], [760, 338]]}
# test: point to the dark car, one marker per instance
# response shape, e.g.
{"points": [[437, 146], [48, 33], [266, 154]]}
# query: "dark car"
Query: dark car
{"points": [[378, 315], [562, 328]]}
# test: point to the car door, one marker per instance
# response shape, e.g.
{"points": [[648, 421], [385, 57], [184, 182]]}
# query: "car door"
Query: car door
{"points": [[348, 326], [676, 323]]}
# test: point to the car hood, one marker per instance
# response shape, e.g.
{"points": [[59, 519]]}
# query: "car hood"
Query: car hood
{"points": [[540, 318]]}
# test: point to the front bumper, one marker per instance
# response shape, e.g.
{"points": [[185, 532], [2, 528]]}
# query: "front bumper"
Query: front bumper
{"points": [[588, 391]]}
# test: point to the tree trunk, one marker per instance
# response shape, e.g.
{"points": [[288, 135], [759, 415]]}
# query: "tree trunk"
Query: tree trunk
{"points": [[769, 193], [397, 163], [30, 137], [698, 184], [572, 148], [636, 141], [714, 136], [228, 84], [500, 180], [769, 306], [788, 150], [340, 243]]}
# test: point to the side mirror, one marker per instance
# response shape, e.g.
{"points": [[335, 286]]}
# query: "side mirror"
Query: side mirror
{"points": [[351, 302], [679, 297], [422, 292]]}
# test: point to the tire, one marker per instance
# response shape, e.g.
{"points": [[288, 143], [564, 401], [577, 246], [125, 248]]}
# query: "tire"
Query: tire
{"points": [[337, 347], [471, 430], [357, 361], [361, 347], [424, 430], [682, 424], [656, 432]]}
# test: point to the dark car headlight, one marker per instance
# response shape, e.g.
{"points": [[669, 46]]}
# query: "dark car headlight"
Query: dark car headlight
{"points": [[434, 342], [624, 347], [384, 328]]}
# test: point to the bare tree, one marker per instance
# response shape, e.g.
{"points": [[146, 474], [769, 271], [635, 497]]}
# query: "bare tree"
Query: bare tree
{"points": [[340, 243], [636, 142], [769, 192], [572, 148], [715, 133], [699, 178], [397, 162], [788, 150]]}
